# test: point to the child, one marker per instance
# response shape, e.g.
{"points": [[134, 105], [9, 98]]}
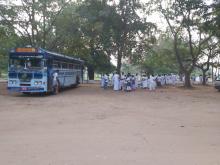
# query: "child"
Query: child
{"points": [[133, 82], [105, 81]]}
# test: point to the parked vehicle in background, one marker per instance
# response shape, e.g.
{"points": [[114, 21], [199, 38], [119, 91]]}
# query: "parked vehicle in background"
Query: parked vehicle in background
{"points": [[217, 83], [35, 70]]}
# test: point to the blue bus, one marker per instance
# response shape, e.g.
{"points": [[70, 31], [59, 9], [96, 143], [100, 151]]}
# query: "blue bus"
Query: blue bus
{"points": [[35, 70]]}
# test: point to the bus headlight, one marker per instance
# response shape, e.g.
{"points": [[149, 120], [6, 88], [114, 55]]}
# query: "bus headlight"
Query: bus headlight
{"points": [[38, 83], [12, 82]]}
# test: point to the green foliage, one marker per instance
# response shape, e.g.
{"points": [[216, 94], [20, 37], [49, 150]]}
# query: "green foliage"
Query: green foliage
{"points": [[212, 24], [161, 58], [32, 20], [95, 30], [186, 20], [102, 63], [130, 33], [131, 68], [86, 34], [8, 39]]}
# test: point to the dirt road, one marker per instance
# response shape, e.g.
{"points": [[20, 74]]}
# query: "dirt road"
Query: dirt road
{"points": [[90, 126]]}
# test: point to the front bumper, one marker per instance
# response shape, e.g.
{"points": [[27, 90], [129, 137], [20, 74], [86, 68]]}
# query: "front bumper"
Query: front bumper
{"points": [[27, 89]]}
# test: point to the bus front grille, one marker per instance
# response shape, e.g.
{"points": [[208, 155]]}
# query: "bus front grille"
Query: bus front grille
{"points": [[25, 85], [25, 77]]}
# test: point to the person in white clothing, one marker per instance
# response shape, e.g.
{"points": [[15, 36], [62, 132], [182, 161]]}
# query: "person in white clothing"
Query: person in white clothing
{"points": [[152, 84], [116, 82], [55, 84], [106, 80], [55, 78], [162, 80], [102, 81], [128, 83], [122, 81], [173, 78], [144, 82], [197, 80], [136, 81]]}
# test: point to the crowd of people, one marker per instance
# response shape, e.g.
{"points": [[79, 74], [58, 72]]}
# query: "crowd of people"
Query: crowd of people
{"points": [[198, 79], [129, 82]]}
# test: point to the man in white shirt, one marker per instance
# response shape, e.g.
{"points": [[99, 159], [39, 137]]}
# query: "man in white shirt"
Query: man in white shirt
{"points": [[55, 82], [152, 83], [116, 82]]}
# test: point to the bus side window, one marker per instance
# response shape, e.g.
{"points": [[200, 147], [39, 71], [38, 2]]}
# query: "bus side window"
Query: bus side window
{"points": [[70, 66], [64, 65], [56, 64], [59, 65], [49, 63]]}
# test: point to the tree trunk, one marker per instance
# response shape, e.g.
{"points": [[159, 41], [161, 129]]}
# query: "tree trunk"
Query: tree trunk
{"points": [[203, 77], [91, 72], [33, 23], [119, 62], [187, 80], [212, 74], [44, 25]]}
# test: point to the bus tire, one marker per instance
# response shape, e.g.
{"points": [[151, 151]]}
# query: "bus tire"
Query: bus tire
{"points": [[26, 93], [43, 93]]}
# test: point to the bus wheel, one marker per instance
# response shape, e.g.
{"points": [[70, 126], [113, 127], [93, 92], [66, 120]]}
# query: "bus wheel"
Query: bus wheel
{"points": [[43, 93], [26, 93]]}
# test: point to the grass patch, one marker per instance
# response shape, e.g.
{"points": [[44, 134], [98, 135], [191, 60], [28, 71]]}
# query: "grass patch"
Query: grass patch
{"points": [[4, 75]]}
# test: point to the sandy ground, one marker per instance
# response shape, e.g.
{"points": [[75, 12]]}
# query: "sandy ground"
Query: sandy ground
{"points": [[91, 126]]}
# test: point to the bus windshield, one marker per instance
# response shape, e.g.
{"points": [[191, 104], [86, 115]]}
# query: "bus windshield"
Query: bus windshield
{"points": [[26, 63]]}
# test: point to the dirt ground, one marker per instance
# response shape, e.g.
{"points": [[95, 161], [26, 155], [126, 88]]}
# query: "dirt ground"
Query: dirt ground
{"points": [[91, 126]]}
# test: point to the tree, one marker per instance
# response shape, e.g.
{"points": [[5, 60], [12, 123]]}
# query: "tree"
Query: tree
{"points": [[8, 39], [185, 20], [208, 53], [213, 23], [161, 59], [92, 13], [129, 30], [32, 20], [86, 34]]}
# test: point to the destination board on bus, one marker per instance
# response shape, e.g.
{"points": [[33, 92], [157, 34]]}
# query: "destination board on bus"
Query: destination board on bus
{"points": [[29, 50]]}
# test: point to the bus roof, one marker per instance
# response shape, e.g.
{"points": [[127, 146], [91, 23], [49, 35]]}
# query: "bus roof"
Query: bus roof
{"points": [[46, 53]]}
